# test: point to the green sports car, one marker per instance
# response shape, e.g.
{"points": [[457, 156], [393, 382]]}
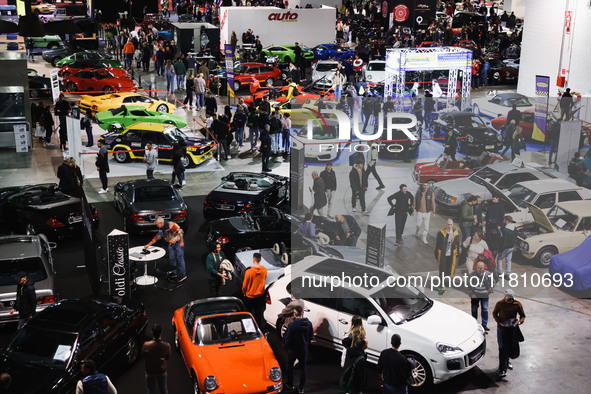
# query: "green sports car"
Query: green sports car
{"points": [[124, 116], [95, 56], [286, 53]]}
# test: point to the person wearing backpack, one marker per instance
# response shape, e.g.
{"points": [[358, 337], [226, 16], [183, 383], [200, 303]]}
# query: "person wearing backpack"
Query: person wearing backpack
{"points": [[354, 376]]}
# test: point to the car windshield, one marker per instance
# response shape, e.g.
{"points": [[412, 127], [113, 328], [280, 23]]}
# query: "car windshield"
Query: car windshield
{"points": [[9, 268], [402, 303], [562, 219], [175, 134], [518, 101], [486, 173], [521, 195], [442, 161], [103, 74], [323, 67], [319, 132], [39, 347], [154, 193], [93, 56], [469, 121], [378, 66], [225, 329], [240, 69]]}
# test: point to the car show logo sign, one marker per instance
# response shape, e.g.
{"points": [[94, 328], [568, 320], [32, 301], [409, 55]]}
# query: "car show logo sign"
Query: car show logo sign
{"points": [[401, 13], [286, 17], [118, 263]]}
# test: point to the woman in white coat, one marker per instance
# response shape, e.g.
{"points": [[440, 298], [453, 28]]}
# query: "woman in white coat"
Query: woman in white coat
{"points": [[476, 245]]}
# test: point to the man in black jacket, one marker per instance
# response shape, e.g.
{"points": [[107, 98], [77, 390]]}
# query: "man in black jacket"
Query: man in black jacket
{"points": [[297, 340], [348, 230], [508, 243], [394, 368], [330, 182], [515, 115], [265, 148], [358, 181], [403, 205], [319, 191], [211, 104], [102, 165], [66, 177], [26, 300], [450, 145]]}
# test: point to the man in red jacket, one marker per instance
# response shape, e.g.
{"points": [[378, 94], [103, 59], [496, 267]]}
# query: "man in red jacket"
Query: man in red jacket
{"points": [[253, 288]]}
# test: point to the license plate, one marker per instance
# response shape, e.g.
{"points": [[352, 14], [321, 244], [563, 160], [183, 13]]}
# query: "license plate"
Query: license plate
{"points": [[75, 219], [490, 147], [226, 207], [476, 357], [309, 155]]}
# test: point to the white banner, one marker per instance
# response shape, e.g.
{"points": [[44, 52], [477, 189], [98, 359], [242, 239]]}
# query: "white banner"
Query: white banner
{"points": [[55, 84]]}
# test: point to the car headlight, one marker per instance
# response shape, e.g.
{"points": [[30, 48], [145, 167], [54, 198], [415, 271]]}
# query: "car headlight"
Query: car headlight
{"points": [[45, 86], [210, 383], [480, 329], [447, 350], [452, 199], [275, 374], [525, 246], [470, 138]]}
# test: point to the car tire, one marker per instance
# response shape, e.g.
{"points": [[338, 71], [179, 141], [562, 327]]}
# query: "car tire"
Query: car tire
{"points": [[55, 61], [187, 161], [120, 155], [132, 350], [162, 109], [53, 45], [108, 89], [543, 256], [65, 74], [421, 376], [270, 81], [30, 229], [195, 383], [476, 109], [243, 249], [177, 345], [236, 86], [71, 87]]}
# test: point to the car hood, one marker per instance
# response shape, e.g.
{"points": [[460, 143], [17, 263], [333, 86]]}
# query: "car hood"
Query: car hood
{"points": [[496, 192], [21, 374], [540, 218], [165, 206], [443, 323], [457, 187], [246, 357]]}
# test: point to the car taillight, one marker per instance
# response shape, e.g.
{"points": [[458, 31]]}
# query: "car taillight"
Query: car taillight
{"points": [[54, 223], [95, 214], [137, 218], [181, 215], [78, 103], [46, 300], [246, 208], [94, 107], [268, 297], [223, 240], [206, 205]]}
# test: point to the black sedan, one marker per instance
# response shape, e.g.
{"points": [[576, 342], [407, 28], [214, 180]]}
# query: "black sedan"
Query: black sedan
{"points": [[399, 145], [262, 228], [142, 201], [46, 354], [43, 209], [474, 135], [240, 192]]}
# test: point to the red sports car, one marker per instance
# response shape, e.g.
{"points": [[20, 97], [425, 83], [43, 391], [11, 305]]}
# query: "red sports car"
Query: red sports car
{"points": [[70, 69], [258, 92], [244, 73], [99, 80], [444, 168]]}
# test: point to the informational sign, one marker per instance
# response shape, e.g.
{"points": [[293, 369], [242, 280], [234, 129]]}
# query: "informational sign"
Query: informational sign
{"points": [[429, 61], [296, 175], [21, 137], [229, 57], [542, 91], [376, 245], [118, 262], [55, 84]]}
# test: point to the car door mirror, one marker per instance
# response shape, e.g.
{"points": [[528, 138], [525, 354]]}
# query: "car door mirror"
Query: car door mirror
{"points": [[118, 187], [374, 320], [52, 245]]}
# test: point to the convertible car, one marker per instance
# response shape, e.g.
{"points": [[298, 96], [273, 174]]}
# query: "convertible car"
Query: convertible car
{"points": [[116, 100], [240, 192], [223, 348], [445, 168], [124, 116], [79, 65], [100, 80], [473, 134], [42, 209]]}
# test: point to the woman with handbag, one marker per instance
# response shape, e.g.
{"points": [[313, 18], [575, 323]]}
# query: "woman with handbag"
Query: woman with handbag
{"points": [[214, 273], [354, 362]]}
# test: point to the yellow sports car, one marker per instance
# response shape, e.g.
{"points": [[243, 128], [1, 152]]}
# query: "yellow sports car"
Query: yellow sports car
{"points": [[300, 113], [116, 100]]}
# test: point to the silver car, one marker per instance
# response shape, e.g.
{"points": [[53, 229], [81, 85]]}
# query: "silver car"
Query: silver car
{"points": [[30, 254]]}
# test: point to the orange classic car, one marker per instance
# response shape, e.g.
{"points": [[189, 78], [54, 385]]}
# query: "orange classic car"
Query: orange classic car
{"points": [[224, 349]]}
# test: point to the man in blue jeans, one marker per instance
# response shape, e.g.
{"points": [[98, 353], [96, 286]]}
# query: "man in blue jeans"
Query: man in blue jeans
{"points": [[297, 340], [480, 288], [173, 234]]}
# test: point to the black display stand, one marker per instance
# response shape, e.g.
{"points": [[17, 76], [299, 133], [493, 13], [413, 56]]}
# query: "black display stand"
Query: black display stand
{"points": [[376, 245]]}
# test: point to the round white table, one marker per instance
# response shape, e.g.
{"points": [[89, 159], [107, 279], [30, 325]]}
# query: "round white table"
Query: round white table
{"points": [[136, 254]]}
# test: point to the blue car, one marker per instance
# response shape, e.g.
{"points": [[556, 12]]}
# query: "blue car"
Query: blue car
{"points": [[332, 51]]}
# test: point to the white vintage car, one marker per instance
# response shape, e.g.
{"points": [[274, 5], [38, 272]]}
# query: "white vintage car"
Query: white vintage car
{"points": [[444, 341], [544, 194], [565, 226], [500, 104]]}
